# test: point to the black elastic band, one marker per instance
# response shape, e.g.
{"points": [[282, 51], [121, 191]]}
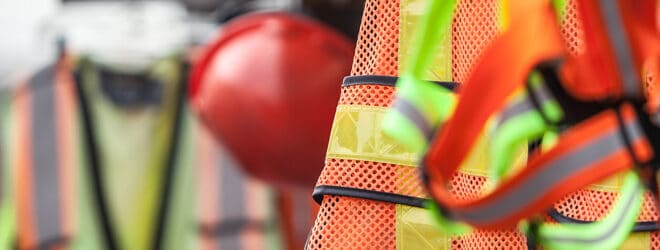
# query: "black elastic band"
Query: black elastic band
{"points": [[645, 226], [389, 81], [625, 137], [320, 191], [95, 167], [530, 234]]}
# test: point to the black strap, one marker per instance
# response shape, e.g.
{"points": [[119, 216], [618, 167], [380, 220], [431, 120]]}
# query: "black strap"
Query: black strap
{"points": [[644, 226], [320, 191], [94, 165], [168, 172], [389, 81]]}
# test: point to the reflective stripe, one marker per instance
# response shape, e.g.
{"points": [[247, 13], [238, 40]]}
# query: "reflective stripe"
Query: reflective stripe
{"points": [[539, 183], [416, 229], [357, 135], [519, 107], [615, 33], [412, 113], [45, 158], [524, 104], [207, 188], [543, 93], [232, 198]]}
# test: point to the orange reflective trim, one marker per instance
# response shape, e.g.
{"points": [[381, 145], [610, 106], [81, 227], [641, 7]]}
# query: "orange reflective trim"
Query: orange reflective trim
{"points": [[582, 136], [66, 127], [207, 187], [23, 166]]}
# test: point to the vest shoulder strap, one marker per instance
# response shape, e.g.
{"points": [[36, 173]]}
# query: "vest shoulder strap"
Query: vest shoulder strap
{"points": [[44, 159]]}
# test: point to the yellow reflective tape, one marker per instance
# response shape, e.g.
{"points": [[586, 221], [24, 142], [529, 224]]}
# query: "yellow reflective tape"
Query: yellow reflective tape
{"points": [[357, 135], [415, 229], [641, 240], [477, 161], [611, 184], [410, 14]]}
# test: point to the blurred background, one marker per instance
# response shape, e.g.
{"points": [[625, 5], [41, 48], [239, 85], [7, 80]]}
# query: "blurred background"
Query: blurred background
{"points": [[192, 124]]}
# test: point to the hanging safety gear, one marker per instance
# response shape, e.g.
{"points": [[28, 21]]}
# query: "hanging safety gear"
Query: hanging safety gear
{"points": [[266, 87], [489, 216], [485, 74], [335, 199], [367, 174]]}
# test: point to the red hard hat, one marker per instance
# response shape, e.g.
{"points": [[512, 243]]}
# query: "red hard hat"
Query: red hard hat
{"points": [[267, 88]]}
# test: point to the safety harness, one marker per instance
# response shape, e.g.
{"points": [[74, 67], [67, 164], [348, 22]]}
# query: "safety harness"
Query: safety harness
{"points": [[595, 99]]}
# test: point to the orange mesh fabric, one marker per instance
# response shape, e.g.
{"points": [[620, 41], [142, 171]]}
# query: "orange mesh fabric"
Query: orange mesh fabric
{"points": [[377, 47], [590, 205], [571, 29], [376, 176], [475, 25], [350, 223], [491, 239], [368, 95], [467, 187]]}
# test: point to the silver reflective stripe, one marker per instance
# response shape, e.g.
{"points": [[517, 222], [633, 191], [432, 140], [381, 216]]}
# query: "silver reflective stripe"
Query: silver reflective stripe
{"points": [[615, 32], [412, 113], [45, 158], [543, 94], [525, 104], [610, 231], [232, 199], [514, 110], [540, 183]]}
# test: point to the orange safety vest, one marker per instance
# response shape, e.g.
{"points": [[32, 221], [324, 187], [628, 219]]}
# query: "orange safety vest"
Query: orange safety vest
{"points": [[369, 182]]}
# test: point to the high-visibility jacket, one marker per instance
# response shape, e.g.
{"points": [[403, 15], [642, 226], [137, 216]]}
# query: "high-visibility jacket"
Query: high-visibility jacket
{"points": [[49, 196], [368, 175]]}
